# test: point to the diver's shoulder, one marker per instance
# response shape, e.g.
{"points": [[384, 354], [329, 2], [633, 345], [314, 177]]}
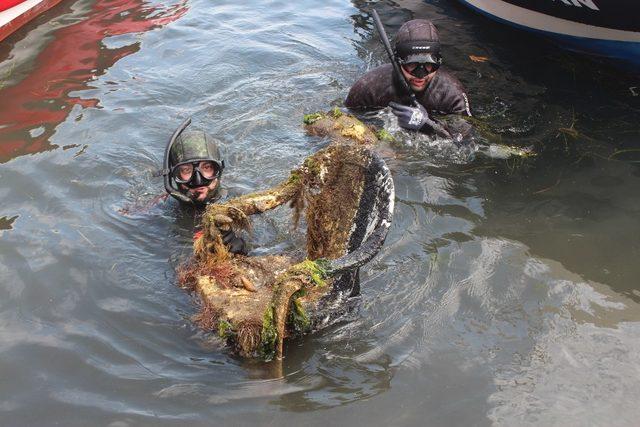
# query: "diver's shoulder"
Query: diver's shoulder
{"points": [[451, 94], [372, 90], [384, 70], [446, 77]]}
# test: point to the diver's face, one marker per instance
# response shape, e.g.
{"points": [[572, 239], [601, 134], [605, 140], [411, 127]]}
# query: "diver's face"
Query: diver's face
{"points": [[200, 194], [197, 179], [418, 84]]}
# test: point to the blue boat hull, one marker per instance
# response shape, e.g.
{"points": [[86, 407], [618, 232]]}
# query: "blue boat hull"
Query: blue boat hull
{"points": [[579, 25]]}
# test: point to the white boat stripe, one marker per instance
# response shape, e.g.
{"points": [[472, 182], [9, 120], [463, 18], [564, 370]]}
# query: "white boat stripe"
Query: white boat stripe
{"points": [[10, 14]]}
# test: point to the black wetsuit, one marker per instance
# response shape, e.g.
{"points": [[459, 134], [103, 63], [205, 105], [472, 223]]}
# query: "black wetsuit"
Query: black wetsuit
{"points": [[443, 95]]}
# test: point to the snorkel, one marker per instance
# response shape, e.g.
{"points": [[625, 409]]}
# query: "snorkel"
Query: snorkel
{"points": [[166, 172], [438, 128], [393, 59]]}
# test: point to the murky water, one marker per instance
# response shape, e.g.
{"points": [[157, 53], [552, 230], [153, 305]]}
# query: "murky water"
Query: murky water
{"points": [[506, 293]]}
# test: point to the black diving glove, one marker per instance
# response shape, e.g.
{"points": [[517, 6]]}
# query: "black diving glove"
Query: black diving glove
{"points": [[417, 118], [410, 118], [236, 244]]}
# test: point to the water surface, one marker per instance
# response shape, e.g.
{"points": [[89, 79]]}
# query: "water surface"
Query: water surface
{"points": [[506, 292]]}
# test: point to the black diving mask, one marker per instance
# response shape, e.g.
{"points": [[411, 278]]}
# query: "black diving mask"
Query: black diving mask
{"points": [[420, 69], [197, 173]]}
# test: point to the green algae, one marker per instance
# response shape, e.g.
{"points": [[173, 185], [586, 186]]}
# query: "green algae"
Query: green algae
{"points": [[312, 166], [312, 269], [384, 135], [294, 178], [309, 119], [225, 329], [298, 318], [269, 334]]}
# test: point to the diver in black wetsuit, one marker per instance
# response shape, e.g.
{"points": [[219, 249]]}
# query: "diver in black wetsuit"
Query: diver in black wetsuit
{"points": [[417, 50], [192, 172]]}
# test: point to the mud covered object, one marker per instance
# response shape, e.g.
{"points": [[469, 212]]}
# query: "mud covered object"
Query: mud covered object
{"points": [[345, 193]]}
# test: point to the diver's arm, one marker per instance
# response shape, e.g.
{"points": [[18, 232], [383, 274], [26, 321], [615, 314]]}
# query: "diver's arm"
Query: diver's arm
{"points": [[459, 104], [458, 127], [220, 217], [258, 202], [432, 124], [455, 104]]}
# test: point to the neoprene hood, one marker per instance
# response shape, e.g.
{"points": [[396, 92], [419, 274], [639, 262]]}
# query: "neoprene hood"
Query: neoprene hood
{"points": [[190, 146], [417, 41]]}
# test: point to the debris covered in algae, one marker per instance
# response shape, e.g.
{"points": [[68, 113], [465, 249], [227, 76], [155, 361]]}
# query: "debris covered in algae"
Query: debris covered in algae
{"points": [[345, 193]]}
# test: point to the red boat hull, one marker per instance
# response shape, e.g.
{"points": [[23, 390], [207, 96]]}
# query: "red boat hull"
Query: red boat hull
{"points": [[17, 13]]}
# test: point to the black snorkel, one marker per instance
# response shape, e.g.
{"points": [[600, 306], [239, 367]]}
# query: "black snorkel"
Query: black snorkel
{"points": [[393, 59], [166, 172], [438, 128]]}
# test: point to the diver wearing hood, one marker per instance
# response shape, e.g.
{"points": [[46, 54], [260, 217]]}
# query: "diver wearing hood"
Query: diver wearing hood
{"points": [[192, 172], [417, 50]]}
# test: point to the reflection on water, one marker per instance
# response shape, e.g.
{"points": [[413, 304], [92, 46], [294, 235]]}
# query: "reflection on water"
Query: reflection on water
{"points": [[31, 109], [505, 293]]}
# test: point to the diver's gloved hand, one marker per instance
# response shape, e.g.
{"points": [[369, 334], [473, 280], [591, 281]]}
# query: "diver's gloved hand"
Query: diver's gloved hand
{"points": [[417, 118], [236, 244], [410, 118], [227, 236]]}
